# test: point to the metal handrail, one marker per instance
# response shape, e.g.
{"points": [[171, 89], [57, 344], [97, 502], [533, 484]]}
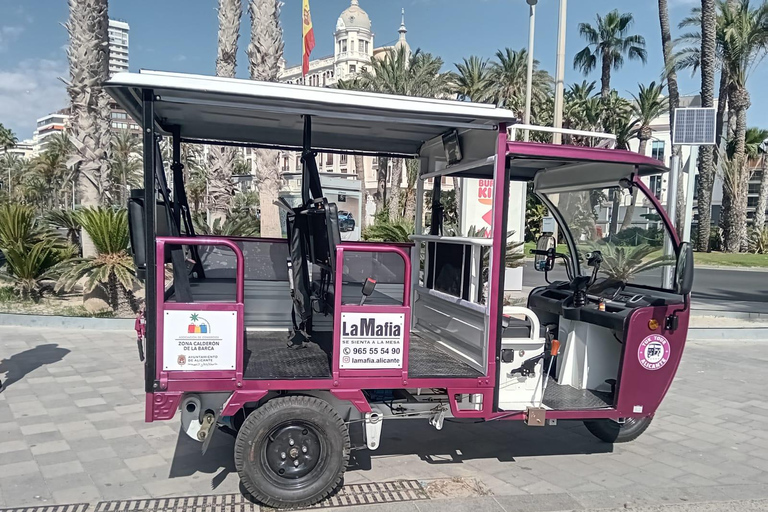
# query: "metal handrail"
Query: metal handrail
{"points": [[199, 240], [512, 132], [459, 240], [375, 247]]}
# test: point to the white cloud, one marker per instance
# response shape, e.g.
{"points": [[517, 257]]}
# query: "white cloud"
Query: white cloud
{"points": [[8, 34], [31, 90]]}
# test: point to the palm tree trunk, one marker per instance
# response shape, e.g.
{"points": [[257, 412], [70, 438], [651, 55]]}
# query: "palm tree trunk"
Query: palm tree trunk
{"points": [[762, 199], [394, 197], [88, 58], [735, 226], [264, 53], [360, 170], [381, 184], [706, 153], [223, 158], [605, 79]]}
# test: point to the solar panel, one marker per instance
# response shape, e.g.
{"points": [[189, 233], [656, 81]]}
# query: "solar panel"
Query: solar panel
{"points": [[694, 126]]}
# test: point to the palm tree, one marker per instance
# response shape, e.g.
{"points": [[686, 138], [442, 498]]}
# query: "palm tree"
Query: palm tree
{"points": [[112, 268], [126, 164], [755, 148], [89, 122], [399, 72], [354, 85], [623, 262], [50, 168], [7, 138], [649, 104], [222, 158], [741, 40], [472, 82], [264, 53], [508, 77], [609, 41]]}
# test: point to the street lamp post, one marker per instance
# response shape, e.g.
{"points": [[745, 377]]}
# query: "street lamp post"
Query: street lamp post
{"points": [[557, 138], [529, 78]]}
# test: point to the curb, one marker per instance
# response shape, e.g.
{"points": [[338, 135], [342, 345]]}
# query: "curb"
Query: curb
{"points": [[739, 315], [67, 322]]}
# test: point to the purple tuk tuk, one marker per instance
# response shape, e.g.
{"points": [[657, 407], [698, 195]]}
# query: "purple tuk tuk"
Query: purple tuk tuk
{"points": [[286, 342]]}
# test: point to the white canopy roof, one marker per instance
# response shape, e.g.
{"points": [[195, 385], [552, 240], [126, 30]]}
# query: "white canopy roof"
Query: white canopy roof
{"points": [[246, 111]]}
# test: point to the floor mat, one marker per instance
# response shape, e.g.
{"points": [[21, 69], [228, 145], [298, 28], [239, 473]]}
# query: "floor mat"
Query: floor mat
{"points": [[267, 356], [427, 360], [566, 397]]}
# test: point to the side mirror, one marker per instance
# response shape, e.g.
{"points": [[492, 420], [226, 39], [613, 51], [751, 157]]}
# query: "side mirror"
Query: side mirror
{"points": [[684, 270], [544, 262]]}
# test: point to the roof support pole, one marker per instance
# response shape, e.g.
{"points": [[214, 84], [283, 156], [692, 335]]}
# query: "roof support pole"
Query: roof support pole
{"points": [[148, 133]]}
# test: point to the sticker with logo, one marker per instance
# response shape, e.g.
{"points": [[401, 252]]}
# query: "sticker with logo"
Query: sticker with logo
{"points": [[654, 352]]}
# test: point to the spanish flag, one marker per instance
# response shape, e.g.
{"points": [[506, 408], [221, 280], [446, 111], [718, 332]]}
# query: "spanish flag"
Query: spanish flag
{"points": [[309, 37]]}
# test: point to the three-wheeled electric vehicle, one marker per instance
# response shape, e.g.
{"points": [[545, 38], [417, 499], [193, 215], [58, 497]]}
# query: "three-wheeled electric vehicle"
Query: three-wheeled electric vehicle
{"points": [[290, 341]]}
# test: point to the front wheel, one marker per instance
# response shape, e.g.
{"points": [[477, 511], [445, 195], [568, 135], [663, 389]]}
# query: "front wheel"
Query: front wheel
{"points": [[613, 432], [292, 452]]}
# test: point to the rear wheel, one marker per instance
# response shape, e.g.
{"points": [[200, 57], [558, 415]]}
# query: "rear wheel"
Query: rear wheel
{"points": [[613, 432], [292, 451]]}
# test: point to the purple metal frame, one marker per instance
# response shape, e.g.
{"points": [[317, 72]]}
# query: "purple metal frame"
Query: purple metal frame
{"points": [[638, 387]]}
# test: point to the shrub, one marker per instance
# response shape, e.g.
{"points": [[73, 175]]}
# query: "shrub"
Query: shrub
{"points": [[112, 268], [758, 240], [32, 251], [623, 263], [233, 225]]}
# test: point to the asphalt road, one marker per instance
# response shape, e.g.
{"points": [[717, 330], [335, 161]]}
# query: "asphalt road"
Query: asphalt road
{"points": [[717, 289]]}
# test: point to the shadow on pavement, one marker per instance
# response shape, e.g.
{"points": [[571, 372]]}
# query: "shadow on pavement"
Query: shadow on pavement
{"points": [[20, 365], [219, 460], [462, 441]]}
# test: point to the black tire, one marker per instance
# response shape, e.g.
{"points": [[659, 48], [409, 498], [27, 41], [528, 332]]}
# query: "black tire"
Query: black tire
{"points": [[612, 432], [292, 452]]}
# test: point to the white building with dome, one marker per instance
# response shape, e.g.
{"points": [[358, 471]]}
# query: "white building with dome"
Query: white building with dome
{"points": [[353, 51]]}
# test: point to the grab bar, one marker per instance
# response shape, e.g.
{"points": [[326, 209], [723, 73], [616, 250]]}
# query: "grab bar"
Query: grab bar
{"points": [[199, 240]]}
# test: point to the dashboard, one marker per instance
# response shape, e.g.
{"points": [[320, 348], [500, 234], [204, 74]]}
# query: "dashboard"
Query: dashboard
{"points": [[620, 300]]}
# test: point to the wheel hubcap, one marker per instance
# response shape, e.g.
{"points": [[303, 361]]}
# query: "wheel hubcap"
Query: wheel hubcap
{"points": [[293, 450]]}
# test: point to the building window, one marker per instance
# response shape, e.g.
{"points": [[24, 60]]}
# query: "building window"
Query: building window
{"points": [[343, 159], [375, 162], [343, 46], [655, 186], [329, 159], [657, 150], [754, 188], [361, 46], [751, 202], [352, 68], [285, 164], [298, 162]]}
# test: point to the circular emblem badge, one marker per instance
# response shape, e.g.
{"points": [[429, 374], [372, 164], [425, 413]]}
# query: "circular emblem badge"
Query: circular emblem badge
{"points": [[654, 352]]}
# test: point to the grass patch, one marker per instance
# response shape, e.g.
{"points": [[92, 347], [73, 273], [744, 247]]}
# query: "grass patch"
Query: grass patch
{"points": [[561, 248], [723, 259], [7, 294]]}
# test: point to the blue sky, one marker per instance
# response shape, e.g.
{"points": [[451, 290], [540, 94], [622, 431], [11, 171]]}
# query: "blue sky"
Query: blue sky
{"points": [[180, 35]]}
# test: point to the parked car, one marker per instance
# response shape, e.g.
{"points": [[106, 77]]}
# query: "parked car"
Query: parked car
{"points": [[346, 221]]}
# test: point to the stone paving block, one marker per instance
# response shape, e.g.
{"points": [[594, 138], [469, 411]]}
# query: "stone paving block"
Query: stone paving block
{"points": [[541, 502], [145, 462], [49, 447], [169, 487], [106, 452], [18, 469], [38, 428], [61, 469], [117, 432], [47, 459], [23, 490], [84, 494], [12, 446], [90, 402]]}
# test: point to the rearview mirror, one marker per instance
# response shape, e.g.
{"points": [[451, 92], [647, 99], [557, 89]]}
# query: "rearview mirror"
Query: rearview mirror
{"points": [[542, 262], [684, 269]]}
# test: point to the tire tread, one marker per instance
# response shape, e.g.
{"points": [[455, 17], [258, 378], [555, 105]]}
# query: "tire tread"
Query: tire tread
{"points": [[276, 404]]}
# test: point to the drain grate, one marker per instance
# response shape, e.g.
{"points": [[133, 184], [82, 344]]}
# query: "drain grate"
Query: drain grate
{"points": [[369, 494], [78, 507], [349, 495]]}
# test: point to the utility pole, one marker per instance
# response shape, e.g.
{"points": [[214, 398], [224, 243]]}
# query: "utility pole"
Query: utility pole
{"points": [[529, 79], [557, 138]]}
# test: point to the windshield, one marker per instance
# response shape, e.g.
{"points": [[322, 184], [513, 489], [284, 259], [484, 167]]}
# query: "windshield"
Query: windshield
{"points": [[625, 227]]}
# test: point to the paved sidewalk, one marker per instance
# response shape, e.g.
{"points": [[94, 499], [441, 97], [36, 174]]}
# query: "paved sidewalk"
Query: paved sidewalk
{"points": [[72, 431]]}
